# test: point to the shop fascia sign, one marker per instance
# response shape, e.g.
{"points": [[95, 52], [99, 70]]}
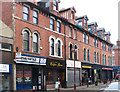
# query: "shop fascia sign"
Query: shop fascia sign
{"points": [[5, 68], [30, 59], [70, 63], [83, 66], [107, 68]]}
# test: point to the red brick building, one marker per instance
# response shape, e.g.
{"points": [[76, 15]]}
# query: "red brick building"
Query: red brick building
{"points": [[44, 39], [116, 58]]}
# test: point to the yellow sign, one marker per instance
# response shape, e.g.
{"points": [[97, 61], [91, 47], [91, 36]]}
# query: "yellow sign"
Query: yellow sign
{"points": [[55, 64], [86, 66], [94, 71]]}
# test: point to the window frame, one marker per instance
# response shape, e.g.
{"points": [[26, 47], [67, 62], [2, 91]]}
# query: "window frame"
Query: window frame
{"points": [[84, 54], [71, 56], [26, 13], [87, 39], [35, 43], [84, 38], [59, 48], [52, 47], [58, 27], [35, 17], [55, 6], [75, 34], [95, 56], [52, 24], [88, 55], [24, 40]]}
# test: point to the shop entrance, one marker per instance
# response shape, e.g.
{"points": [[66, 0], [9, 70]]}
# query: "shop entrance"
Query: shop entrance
{"points": [[37, 77]]}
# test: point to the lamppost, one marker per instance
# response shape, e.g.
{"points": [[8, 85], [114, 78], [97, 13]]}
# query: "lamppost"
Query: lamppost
{"points": [[74, 50]]}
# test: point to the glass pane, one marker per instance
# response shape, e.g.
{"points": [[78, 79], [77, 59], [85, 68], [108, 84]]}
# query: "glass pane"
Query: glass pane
{"points": [[25, 45], [35, 14], [26, 35], [25, 16], [25, 9], [35, 38], [35, 47], [35, 20]]}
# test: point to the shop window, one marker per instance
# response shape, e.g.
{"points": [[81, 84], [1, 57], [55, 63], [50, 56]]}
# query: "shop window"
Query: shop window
{"points": [[35, 43], [58, 27], [59, 48], [70, 51], [26, 40], [51, 24], [84, 54], [88, 55], [35, 17], [5, 46], [52, 46], [25, 13]]}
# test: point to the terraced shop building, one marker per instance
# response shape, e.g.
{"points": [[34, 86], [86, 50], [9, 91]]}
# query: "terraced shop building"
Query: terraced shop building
{"points": [[47, 41]]}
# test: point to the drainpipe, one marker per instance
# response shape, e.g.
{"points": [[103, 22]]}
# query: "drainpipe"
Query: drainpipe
{"points": [[13, 28], [65, 53]]}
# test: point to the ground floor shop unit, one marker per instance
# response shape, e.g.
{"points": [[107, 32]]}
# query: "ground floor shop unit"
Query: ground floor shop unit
{"points": [[70, 71], [5, 77], [30, 72], [95, 73], [55, 71], [116, 70]]}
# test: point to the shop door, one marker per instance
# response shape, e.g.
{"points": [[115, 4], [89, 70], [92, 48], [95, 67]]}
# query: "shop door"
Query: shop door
{"points": [[37, 77], [61, 75]]}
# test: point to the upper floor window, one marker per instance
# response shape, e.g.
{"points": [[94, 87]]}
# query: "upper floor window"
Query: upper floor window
{"points": [[95, 29], [95, 57], [85, 22], [5, 46], [105, 46], [58, 27], [108, 48], [59, 48], [88, 55], [113, 53], [102, 45], [97, 43], [72, 15], [35, 43], [94, 42], [84, 54], [52, 46], [84, 38], [75, 34], [87, 39], [106, 38], [70, 51], [113, 61], [26, 40], [25, 13], [105, 59], [51, 24], [75, 52], [35, 17], [70, 32], [55, 5], [119, 53]]}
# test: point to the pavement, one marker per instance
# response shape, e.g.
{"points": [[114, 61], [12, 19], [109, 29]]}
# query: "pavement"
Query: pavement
{"points": [[90, 88]]}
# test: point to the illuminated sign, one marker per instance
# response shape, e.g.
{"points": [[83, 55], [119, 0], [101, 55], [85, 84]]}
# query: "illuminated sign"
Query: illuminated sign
{"points": [[86, 66], [107, 68]]}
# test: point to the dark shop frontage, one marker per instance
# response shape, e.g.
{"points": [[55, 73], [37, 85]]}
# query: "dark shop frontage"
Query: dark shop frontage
{"points": [[55, 71], [95, 72], [30, 72]]}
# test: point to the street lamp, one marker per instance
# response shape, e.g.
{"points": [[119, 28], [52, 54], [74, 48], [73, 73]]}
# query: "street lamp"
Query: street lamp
{"points": [[74, 50]]}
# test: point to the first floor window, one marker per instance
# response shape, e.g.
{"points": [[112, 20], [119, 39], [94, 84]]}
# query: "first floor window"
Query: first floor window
{"points": [[52, 46], [95, 57], [70, 51], [59, 48], [113, 61], [75, 52], [26, 41], [35, 43], [84, 54], [103, 59], [88, 55]]}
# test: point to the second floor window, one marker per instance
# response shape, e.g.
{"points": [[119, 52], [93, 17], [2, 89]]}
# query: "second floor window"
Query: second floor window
{"points": [[54, 5], [84, 54], [88, 55], [51, 24], [26, 41], [52, 46], [85, 22], [95, 57], [84, 38], [105, 59], [70, 51], [58, 27], [75, 34], [59, 48], [35, 43], [94, 42], [70, 32], [87, 39], [25, 13], [35, 17]]}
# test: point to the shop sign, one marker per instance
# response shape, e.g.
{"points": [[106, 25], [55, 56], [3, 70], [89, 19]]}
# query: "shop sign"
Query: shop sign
{"points": [[70, 63], [5, 68], [107, 68], [86, 66], [30, 59], [57, 64]]}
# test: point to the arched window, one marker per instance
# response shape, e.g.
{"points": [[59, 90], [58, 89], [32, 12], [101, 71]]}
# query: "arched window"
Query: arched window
{"points": [[84, 54], [88, 55], [35, 43], [75, 52], [52, 46], [97, 57], [26, 40], [70, 51], [59, 48]]}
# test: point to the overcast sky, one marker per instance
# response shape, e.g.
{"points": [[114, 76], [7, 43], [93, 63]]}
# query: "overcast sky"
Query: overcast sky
{"points": [[104, 12]]}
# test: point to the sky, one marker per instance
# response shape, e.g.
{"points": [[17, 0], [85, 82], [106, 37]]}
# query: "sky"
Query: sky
{"points": [[104, 12]]}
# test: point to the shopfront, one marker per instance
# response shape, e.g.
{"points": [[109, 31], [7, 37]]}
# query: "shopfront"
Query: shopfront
{"points": [[5, 72], [55, 71], [30, 72], [70, 73]]}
